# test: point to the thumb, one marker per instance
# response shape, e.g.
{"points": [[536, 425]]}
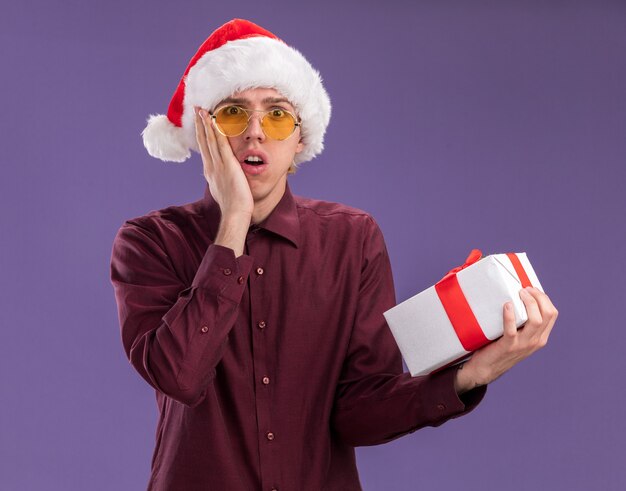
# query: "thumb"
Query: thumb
{"points": [[510, 329]]}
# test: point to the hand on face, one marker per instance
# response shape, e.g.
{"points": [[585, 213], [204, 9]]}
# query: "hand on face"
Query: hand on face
{"points": [[227, 181], [491, 361]]}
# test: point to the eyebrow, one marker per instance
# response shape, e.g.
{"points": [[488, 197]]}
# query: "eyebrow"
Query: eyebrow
{"points": [[267, 100]]}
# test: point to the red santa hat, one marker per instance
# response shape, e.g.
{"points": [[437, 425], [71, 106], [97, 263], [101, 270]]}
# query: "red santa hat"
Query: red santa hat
{"points": [[237, 56]]}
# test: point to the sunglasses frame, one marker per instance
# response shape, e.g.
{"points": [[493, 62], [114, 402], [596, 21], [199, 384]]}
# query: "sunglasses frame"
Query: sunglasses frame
{"points": [[296, 121]]}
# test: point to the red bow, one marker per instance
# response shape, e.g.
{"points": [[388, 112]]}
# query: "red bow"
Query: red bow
{"points": [[474, 256]]}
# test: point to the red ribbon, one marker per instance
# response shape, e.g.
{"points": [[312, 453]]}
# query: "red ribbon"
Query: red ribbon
{"points": [[459, 311], [519, 269]]}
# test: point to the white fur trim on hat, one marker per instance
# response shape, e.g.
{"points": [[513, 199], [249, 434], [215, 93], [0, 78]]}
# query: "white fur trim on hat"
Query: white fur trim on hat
{"points": [[164, 140]]}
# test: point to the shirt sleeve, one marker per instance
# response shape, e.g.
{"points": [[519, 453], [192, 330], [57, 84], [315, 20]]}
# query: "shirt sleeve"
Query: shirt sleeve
{"points": [[375, 401], [174, 333]]}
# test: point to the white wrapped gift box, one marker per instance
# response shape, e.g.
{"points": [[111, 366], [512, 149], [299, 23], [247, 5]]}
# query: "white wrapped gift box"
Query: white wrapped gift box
{"points": [[423, 329]]}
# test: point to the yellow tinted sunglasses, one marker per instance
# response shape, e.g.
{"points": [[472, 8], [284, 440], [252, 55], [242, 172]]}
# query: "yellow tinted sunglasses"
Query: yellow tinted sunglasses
{"points": [[276, 123]]}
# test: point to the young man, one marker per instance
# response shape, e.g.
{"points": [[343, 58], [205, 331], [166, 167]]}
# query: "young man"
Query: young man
{"points": [[257, 315]]}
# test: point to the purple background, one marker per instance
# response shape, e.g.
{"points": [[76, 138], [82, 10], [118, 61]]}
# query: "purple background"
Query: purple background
{"points": [[495, 125]]}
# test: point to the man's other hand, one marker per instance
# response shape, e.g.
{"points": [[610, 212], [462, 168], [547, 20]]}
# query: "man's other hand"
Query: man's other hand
{"points": [[491, 361]]}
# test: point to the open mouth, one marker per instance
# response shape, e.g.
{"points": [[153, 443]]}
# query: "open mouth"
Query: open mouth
{"points": [[254, 161]]}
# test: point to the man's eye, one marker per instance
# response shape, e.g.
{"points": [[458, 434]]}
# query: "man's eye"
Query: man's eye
{"points": [[278, 113], [232, 110]]}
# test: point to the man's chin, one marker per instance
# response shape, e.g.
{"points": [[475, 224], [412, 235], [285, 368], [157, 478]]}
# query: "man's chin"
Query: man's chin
{"points": [[259, 193], [264, 192]]}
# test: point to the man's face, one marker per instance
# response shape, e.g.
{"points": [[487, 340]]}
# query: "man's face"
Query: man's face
{"points": [[266, 181]]}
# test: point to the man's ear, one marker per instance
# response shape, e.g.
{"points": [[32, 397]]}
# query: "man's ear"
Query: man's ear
{"points": [[299, 146]]}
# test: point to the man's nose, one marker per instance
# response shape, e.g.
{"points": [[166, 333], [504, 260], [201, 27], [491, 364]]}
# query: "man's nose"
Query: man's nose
{"points": [[254, 129]]}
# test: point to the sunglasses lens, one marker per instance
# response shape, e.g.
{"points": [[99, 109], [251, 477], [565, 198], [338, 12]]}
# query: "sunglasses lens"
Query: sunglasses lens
{"points": [[231, 120], [278, 124]]}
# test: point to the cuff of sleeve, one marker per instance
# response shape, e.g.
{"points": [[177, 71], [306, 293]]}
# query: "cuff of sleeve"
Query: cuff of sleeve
{"points": [[447, 403], [472, 398], [223, 273]]}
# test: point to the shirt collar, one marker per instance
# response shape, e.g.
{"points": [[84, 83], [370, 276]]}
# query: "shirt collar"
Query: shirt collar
{"points": [[283, 219]]}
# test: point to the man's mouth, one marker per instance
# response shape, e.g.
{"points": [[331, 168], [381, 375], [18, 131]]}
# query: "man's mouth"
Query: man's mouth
{"points": [[253, 160], [253, 165]]}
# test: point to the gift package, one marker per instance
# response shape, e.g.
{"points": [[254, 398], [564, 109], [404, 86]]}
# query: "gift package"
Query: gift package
{"points": [[462, 312]]}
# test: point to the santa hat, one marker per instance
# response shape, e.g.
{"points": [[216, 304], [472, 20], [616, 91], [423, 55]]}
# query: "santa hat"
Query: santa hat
{"points": [[237, 56]]}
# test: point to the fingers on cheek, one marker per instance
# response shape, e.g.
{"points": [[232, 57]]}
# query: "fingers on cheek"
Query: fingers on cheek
{"points": [[205, 126], [210, 128], [215, 142], [201, 135], [199, 128], [221, 140]]}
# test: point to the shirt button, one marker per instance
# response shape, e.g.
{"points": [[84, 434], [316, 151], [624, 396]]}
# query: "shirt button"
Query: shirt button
{"points": [[266, 380], [227, 272], [204, 329], [259, 271], [240, 280], [261, 324], [441, 407], [270, 435]]}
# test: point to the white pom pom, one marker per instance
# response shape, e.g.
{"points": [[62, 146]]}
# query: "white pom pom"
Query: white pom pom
{"points": [[164, 140]]}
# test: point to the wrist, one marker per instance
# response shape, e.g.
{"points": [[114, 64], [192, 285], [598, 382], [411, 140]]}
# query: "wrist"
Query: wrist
{"points": [[233, 218], [232, 231], [464, 380]]}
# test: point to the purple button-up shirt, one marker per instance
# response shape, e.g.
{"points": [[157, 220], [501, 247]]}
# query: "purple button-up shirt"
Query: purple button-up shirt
{"points": [[269, 367]]}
